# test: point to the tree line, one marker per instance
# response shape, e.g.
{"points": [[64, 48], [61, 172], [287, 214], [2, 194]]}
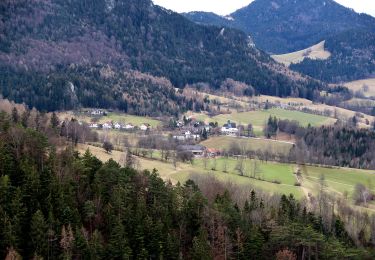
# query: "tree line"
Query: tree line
{"points": [[342, 144]]}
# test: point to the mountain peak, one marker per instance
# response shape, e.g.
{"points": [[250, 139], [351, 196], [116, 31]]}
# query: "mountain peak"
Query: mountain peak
{"points": [[282, 26]]}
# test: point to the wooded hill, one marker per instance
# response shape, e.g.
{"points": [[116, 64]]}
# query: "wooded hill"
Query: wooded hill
{"points": [[65, 39], [284, 26]]}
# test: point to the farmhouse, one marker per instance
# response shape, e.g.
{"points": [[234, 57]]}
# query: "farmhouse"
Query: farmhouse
{"points": [[107, 125], [128, 127], [94, 125], [196, 150], [97, 112], [212, 152], [186, 136], [144, 127], [229, 129], [117, 126]]}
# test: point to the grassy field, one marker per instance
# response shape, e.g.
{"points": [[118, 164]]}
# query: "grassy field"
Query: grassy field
{"points": [[115, 117], [359, 85], [268, 172], [316, 52], [259, 118], [339, 181], [284, 100], [135, 120], [224, 142]]}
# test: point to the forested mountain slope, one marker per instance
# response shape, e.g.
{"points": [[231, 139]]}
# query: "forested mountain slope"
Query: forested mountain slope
{"points": [[47, 38], [352, 57], [282, 26]]}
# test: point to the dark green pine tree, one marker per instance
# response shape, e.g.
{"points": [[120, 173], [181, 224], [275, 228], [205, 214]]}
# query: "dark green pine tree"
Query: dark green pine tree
{"points": [[253, 245], [38, 234], [204, 134], [96, 246], [15, 115], [81, 245], [201, 247], [118, 247], [54, 121]]}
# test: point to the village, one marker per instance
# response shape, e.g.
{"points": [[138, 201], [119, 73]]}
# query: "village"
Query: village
{"points": [[189, 128], [185, 135]]}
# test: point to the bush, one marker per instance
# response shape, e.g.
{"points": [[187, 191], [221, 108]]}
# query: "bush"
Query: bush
{"points": [[107, 146]]}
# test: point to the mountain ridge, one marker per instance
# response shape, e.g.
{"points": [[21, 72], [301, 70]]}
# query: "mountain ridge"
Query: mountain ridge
{"points": [[289, 26], [49, 37], [283, 26]]}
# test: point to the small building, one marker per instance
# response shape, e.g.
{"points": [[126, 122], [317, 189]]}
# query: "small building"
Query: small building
{"points": [[187, 135], [128, 127], [179, 137], [144, 127], [107, 125], [97, 112], [117, 126], [229, 129], [196, 150], [212, 152], [230, 125], [94, 125]]}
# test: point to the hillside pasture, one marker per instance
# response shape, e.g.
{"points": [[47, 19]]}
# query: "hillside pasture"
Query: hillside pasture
{"points": [[110, 117], [259, 118], [251, 144], [367, 86], [316, 52], [271, 176], [339, 180], [266, 177]]}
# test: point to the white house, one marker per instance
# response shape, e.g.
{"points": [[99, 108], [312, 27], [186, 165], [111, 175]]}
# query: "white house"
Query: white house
{"points": [[97, 112], [186, 136], [179, 137], [128, 127], [229, 131], [144, 127], [107, 126], [94, 125], [117, 126]]}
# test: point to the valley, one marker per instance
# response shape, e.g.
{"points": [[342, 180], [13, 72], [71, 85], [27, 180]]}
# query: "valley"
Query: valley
{"points": [[273, 177], [270, 175], [131, 131]]}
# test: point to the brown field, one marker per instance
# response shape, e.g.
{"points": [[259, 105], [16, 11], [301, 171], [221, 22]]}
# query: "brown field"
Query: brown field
{"points": [[224, 143], [316, 52], [286, 101], [359, 85], [166, 170]]}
